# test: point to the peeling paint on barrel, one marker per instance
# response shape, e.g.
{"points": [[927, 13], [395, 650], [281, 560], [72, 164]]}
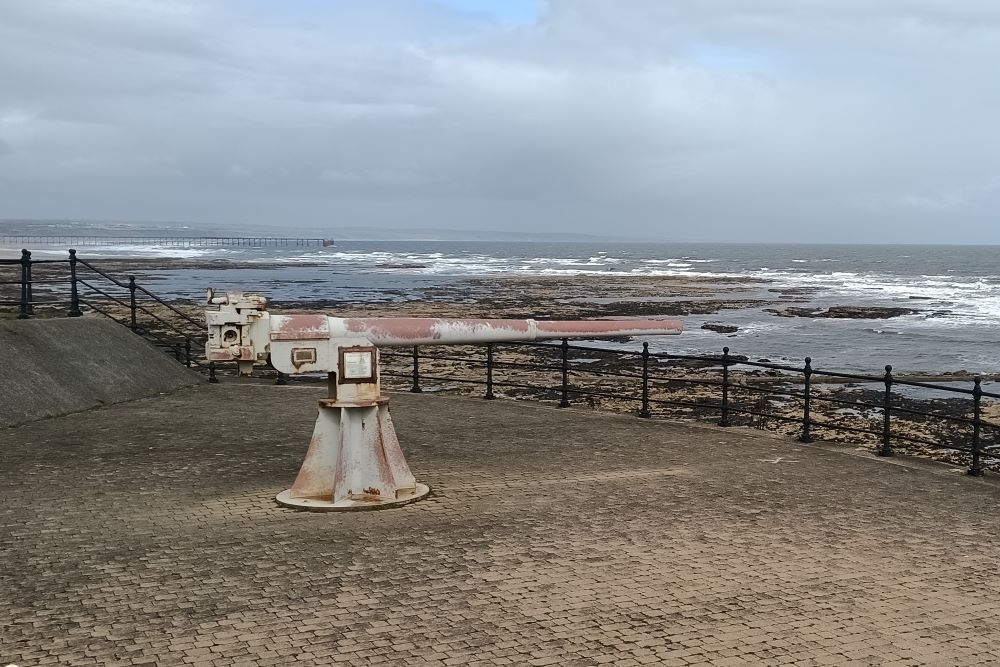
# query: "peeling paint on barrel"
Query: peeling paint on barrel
{"points": [[402, 331], [310, 326]]}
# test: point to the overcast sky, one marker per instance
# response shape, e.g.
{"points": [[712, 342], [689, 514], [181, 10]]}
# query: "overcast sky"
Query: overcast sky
{"points": [[706, 120]]}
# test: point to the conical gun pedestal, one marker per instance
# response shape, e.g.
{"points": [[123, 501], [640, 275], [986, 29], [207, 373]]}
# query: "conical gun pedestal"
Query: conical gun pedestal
{"points": [[353, 463]]}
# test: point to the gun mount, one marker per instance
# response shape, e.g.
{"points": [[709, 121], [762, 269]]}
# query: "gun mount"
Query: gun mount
{"points": [[354, 460]]}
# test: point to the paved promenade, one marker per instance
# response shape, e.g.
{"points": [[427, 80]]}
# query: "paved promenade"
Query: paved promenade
{"points": [[146, 533]]}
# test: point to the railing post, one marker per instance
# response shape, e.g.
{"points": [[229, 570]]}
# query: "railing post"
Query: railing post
{"points": [[724, 421], [807, 401], [976, 470], [416, 370], [187, 352], [131, 303], [564, 402], [886, 448], [281, 380], [74, 294], [212, 377], [25, 285], [489, 373], [644, 411], [31, 287]]}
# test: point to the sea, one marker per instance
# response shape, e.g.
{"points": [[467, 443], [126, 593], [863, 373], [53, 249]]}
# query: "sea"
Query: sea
{"points": [[956, 290]]}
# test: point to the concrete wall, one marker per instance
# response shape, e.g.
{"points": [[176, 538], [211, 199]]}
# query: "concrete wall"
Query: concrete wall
{"points": [[53, 367]]}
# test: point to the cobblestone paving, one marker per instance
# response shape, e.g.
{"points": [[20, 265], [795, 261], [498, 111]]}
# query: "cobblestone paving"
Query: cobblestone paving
{"points": [[146, 533]]}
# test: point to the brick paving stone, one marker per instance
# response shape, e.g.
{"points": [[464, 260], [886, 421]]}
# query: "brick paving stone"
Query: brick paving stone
{"points": [[146, 533]]}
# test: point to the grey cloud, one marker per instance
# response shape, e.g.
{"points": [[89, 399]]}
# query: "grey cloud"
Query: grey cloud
{"points": [[828, 120]]}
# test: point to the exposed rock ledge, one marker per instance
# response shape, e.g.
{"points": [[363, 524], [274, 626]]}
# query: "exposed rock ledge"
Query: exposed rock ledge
{"points": [[720, 328], [400, 265], [843, 312]]}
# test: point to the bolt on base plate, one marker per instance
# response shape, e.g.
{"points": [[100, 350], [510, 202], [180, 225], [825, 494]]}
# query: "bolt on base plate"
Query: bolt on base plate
{"points": [[405, 497]]}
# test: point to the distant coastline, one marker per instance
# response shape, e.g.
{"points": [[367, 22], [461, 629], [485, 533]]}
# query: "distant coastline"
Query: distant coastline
{"points": [[947, 297]]}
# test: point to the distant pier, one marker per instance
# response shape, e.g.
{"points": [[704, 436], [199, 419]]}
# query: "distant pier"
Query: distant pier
{"points": [[171, 241]]}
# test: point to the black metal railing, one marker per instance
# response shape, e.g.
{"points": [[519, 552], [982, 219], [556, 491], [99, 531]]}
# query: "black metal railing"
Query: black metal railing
{"points": [[73, 286], [726, 389]]}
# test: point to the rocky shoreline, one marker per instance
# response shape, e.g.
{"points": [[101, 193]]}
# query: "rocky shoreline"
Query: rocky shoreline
{"points": [[679, 390], [684, 389], [538, 296]]}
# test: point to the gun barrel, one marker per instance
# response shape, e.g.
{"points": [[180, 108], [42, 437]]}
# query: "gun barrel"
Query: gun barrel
{"points": [[241, 330], [406, 331]]}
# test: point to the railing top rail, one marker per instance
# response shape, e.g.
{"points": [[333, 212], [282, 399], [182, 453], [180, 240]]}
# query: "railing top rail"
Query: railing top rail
{"points": [[849, 376], [43, 261], [733, 360], [690, 357], [101, 292], [764, 364], [96, 270], [941, 387], [170, 307]]}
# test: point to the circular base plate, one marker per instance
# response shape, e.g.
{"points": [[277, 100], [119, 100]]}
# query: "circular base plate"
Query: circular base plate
{"points": [[313, 505]]}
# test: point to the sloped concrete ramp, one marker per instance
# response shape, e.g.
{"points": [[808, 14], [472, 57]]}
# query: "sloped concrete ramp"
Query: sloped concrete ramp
{"points": [[56, 366]]}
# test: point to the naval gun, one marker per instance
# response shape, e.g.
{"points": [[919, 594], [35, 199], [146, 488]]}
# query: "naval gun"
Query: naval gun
{"points": [[354, 460]]}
